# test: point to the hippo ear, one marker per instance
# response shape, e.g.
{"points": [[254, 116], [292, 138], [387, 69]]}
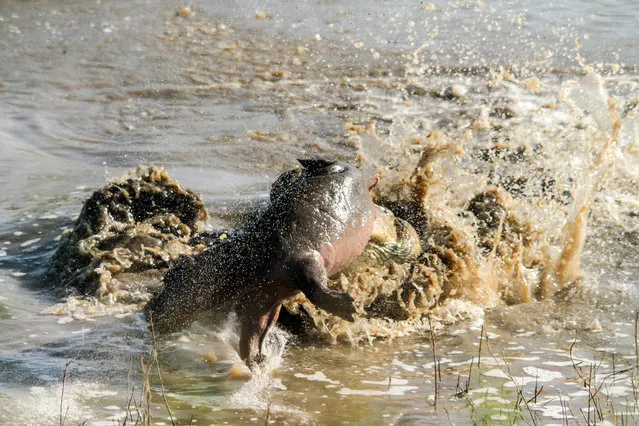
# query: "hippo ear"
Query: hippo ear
{"points": [[313, 164]]}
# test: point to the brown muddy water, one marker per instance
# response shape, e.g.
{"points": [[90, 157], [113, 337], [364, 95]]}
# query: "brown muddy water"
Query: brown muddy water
{"points": [[539, 101]]}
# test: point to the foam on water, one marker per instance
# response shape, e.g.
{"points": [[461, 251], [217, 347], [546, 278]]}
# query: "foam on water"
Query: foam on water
{"points": [[392, 390], [43, 404], [318, 376]]}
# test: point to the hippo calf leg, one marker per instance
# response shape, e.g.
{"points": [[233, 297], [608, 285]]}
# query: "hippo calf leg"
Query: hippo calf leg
{"points": [[257, 317], [306, 273], [310, 275], [254, 328]]}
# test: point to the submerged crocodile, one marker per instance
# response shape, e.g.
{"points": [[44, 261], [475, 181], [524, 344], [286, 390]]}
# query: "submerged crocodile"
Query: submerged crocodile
{"points": [[315, 248]]}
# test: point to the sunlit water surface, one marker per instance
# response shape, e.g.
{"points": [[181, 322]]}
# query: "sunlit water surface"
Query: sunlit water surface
{"points": [[225, 97]]}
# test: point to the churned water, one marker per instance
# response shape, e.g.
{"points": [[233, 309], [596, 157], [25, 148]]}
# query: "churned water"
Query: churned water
{"points": [[536, 98]]}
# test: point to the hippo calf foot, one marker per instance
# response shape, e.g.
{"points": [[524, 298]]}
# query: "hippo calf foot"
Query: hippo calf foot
{"points": [[254, 361], [337, 303]]}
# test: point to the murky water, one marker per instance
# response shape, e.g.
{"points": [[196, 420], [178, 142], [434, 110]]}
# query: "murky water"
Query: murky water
{"points": [[540, 100]]}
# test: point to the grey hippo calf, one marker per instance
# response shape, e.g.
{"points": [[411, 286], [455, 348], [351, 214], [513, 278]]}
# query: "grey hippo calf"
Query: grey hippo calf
{"points": [[320, 218]]}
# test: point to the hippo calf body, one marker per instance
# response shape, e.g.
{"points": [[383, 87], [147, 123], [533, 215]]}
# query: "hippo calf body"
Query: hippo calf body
{"points": [[320, 218]]}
